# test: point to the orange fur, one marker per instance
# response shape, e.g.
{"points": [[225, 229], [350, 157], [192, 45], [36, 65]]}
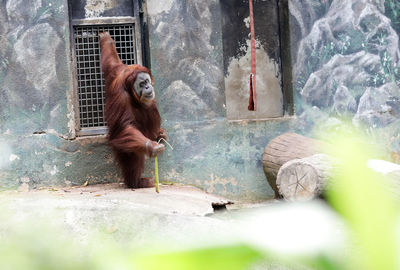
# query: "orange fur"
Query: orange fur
{"points": [[131, 124]]}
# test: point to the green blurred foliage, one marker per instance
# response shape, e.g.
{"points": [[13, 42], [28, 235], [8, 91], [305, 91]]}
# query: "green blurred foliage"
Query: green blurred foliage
{"points": [[359, 195], [234, 257]]}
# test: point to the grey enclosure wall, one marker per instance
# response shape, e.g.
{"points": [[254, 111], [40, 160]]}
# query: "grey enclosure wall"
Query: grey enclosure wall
{"points": [[344, 62], [237, 58]]}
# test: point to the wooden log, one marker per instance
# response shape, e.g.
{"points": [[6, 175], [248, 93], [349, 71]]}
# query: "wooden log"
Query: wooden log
{"points": [[305, 178], [283, 148]]}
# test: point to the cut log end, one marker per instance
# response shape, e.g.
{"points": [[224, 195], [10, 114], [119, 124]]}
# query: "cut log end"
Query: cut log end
{"points": [[299, 182], [304, 179], [284, 148]]}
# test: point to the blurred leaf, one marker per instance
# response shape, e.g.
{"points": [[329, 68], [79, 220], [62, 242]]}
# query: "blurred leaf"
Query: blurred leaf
{"points": [[227, 257], [322, 263], [358, 194]]}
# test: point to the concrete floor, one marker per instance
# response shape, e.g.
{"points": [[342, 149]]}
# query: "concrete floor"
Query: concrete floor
{"points": [[140, 216], [179, 217]]}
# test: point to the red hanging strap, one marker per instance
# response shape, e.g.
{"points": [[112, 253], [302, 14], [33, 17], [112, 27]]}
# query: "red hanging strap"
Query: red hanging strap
{"points": [[253, 97]]}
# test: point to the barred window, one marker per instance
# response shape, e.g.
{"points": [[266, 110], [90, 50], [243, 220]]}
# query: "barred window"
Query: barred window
{"points": [[90, 82]]}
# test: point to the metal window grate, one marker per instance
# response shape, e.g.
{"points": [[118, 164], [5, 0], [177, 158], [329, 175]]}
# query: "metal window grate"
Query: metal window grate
{"points": [[90, 78]]}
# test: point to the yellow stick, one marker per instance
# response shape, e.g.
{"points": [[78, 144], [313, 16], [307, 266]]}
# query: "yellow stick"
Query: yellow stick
{"points": [[156, 164]]}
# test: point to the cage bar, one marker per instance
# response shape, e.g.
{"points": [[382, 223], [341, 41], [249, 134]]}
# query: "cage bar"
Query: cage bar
{"points": [[90, 92]]}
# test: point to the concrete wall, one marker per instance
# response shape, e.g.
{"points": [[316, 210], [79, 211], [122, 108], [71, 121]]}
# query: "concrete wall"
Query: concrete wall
{"points": [[344, 59], [237, 59], [345, 56], [37, 127], [187, 62]]}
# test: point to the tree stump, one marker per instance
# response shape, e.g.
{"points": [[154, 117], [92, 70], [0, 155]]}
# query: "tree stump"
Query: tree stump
{"points": [[286, 147], [305, 178]]}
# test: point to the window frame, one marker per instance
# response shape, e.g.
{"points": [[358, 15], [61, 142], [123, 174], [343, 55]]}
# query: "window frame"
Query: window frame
{"points": [[100, 21]]}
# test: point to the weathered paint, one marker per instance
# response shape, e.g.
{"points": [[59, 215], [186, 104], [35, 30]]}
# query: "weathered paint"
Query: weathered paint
{"points": [[268, 85], [154, 8], [235, 23], [87, 9], [49, 160], [94, 8]]}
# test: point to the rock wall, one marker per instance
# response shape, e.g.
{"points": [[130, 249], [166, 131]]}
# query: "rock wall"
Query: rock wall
{"points": [[345, 58], [34, 79], [186, 57], [186, 48], [346, 65], [37, 126]]}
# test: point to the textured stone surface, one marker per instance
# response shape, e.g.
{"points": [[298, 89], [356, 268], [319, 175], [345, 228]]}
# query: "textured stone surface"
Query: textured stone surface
{"points": [[134, 217], [379, 107], [192, 107], [346, 64], [185, 46], [35, 68], [31, 50], [348, 27], [350, 71], [223, 158], [47, 159], [36, 113], [187, 63], [343, 102], [176, 218]]}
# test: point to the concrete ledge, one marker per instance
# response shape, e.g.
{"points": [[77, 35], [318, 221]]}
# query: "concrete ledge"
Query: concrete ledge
{"points": [[172, 199]]}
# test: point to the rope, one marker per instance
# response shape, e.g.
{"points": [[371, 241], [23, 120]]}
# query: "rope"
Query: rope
{"points": [[253, 97]]}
